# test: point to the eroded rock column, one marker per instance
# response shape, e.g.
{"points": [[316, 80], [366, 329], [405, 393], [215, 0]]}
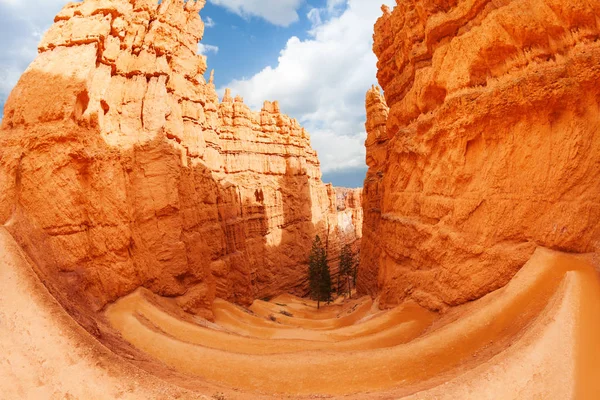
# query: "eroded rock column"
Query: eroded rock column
{"points": [[491, 146]]}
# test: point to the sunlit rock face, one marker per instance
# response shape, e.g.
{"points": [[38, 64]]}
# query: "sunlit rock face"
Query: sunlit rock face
{"points": [[121, 168], [491, 146], [132, 194]]}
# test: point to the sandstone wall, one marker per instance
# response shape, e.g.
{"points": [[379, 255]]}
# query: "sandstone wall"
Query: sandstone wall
{"points": [[491, 146], [377, 158], [120, 168], [346, 222]]}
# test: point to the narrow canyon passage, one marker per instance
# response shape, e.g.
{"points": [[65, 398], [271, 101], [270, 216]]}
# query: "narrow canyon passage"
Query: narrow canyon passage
{"points": [[156, 229]]}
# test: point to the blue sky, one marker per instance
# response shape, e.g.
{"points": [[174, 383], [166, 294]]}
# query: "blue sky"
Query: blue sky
{"points": [[246, 44], [314, 56]]}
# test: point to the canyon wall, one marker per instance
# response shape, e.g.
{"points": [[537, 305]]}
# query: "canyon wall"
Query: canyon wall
{"points": [[346, 226], [490, 146], [120, 168]]}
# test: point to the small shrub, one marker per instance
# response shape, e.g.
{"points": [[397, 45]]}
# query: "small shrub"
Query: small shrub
{"points": [[286, 313]]}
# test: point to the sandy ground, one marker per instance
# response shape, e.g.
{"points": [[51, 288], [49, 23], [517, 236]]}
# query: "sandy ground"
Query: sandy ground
{"points": [[44, 354], [300, 309], [537, 338], [141, 305]]}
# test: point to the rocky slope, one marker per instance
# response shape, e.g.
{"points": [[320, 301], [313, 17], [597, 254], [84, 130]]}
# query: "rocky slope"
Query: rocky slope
{"points": [[490, 149], [120, 168]]}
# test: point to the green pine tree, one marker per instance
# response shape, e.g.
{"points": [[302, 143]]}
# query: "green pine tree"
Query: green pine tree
{"points": [[326, 290], [319, 276], [348, 266], [314, 261]]}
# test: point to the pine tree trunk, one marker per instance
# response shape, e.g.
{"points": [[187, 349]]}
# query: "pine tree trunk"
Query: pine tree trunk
{"points": [[318, 304], [349, 288]]}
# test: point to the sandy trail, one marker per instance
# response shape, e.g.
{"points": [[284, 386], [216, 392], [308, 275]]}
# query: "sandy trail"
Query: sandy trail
{"points": [[237, 321], [349, 316], [540, 288], [138, 305], [302, 312], [304, 308], [535, 338], [45, 354]]}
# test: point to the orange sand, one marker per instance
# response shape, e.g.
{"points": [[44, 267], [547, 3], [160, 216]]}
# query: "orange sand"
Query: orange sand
{"points": [[544, 291], [136, 310], [535, 338]]}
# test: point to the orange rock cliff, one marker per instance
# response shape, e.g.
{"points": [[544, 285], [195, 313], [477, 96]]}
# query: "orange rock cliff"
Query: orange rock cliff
{"points": [[130, 192], [490, 146], [120, 168]]}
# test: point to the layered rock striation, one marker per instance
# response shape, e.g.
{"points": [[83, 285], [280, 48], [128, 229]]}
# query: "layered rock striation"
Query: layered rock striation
{"points": [[377, 154], [490, 146], [120, 168]]}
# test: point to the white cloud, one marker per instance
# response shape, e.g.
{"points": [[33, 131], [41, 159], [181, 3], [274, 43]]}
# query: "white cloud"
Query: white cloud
{"points": [[333, 4], [207, 48], [209, 22], [333, 8], [314, 16], [277, 12], [38, 13], [322, 82]]}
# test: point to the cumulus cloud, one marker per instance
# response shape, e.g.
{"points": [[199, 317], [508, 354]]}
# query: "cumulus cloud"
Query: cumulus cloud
{"points": [[209, 22], [207, 48], [277, 12], [332, 8], [314, 16], [322, 81]]}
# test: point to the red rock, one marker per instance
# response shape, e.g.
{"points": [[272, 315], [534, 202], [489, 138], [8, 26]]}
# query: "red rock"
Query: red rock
{"points": [[120, 168], [490, 147]]}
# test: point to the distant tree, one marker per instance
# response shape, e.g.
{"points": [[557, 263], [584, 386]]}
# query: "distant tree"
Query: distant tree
{"points": [[344, 266], [314, 268], [319, 276], [356, 261], [326, 287], [348, 267]]}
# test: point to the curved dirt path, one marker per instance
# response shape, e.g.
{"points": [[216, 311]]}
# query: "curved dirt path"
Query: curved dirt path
{"points": [[345, 317], [137, 305], [535, 338], [302, 312], [480, 335], [232, 318], [303, 308]]}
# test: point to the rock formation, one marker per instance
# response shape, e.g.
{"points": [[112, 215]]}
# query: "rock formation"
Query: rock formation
{"points": [[377, 150], [345, 219], [490, 149], [130, 193], [120, 168]]}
